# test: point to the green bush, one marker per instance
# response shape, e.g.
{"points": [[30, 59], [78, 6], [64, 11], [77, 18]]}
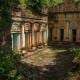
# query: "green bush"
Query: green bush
{"points": [[76, 52], [8, 61]]}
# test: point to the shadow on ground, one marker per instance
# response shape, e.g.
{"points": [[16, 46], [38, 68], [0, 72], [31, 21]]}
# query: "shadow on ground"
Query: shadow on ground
{"points": [[59, 69]]}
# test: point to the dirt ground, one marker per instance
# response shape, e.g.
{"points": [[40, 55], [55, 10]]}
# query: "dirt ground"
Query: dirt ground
{"points": [[47, 64]]}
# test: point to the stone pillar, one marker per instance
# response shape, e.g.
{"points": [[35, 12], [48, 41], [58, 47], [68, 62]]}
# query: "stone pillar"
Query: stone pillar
{"points": [[46, 34], [40, 34], [58, 34], [55, 33], [33, 47], [23, 38], [78, 35], [30, 39], [19, 42], [45, 37], [38, 37], [66, 32], [12, 40]]}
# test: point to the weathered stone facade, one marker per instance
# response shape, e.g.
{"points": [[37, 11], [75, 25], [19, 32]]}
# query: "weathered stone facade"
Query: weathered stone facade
{"points": [[29, 31], [62, 24], [65, 22]]}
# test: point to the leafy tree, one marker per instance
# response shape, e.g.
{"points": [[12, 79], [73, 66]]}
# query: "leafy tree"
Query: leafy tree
{"points": [[38, 5]]}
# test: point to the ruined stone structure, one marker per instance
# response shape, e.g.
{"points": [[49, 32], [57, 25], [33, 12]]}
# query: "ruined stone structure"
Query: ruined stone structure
{"points": [[28, 31], [64, 22]]}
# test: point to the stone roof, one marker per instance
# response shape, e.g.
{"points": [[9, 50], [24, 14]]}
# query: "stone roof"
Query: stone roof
{"points": [[26, 15], [67, 6]]}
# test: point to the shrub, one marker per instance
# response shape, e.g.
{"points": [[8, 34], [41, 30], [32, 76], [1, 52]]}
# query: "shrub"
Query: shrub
{"points": [[76, 52], [8, 61]]}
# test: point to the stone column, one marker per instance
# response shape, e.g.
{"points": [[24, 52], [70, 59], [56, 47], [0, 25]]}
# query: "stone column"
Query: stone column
{"points": [[40, 34], [12, 40], [33, 47], [19, 42], [23, 38], [30, 40], [78, 34], [45, 37], [66, 32], [38, 37], [46, 34]]}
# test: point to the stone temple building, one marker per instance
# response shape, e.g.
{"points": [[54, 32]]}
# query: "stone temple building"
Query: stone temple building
{"points": [[64, 22], [28, 31], [60, 23]]}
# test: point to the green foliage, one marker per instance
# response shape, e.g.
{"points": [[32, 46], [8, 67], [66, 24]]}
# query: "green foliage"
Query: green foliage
{"points": [[55, 2], [76, 52], [23, 2], [5, 20], [8, 61], [77, 0], [38, 5], [35, 5], [75, 71], [5, 15]]}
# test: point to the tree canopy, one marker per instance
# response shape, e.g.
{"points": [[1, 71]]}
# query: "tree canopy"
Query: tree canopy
{"points": [[38, 5]]}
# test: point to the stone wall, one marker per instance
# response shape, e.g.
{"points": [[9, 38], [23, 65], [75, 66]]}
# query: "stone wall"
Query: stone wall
{"points": [[29, 31], [68, 22]]}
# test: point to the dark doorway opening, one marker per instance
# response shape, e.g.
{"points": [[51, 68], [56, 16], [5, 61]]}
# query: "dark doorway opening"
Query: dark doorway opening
{"points": [[74, 35], [50, 34], [50, 31], [61, 34]]}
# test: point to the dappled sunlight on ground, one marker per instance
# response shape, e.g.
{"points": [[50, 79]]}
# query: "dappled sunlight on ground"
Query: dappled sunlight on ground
{"points": [[41, 58], [47, 64]]}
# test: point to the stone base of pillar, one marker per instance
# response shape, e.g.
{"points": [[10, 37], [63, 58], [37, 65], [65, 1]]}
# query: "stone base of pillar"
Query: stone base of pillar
{"points": [[45, 44], [24, 51], [33, 48], [41, 46]]}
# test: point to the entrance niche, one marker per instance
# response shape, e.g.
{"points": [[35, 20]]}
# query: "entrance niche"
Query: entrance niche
{"points": [[61, 34], [36, 35], [50, 31], [27, 35], [16, 41], [43, 36], [15, 32], [44, 33], [26, 39], [74, 35]]}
